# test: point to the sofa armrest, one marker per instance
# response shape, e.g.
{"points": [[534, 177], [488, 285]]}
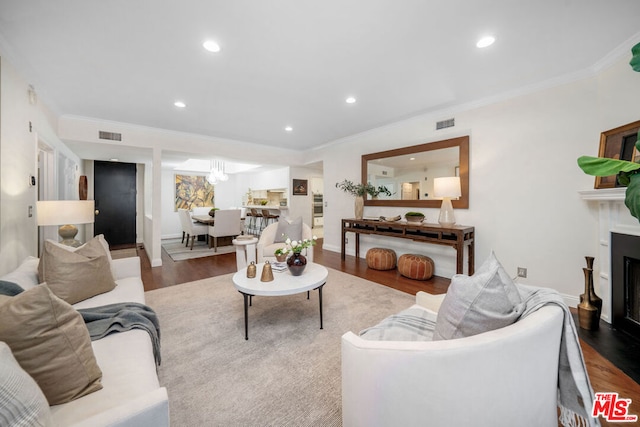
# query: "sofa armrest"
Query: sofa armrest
{"points": [[149, 410], [127, 267], [429, 301]]}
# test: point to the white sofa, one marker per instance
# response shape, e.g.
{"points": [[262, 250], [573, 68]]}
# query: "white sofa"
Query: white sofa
{"points": [[505, 377], [131, 395]]}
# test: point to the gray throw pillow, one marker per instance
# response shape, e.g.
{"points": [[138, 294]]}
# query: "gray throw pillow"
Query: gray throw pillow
{"points": [[475, 304], [289, 229]]}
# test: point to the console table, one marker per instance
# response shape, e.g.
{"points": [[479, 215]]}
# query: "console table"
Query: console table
{"points": [[457, 236]]}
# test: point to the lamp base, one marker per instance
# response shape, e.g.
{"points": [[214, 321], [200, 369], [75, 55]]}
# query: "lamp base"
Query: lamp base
{"points": [[446, 218], [68, 233]]}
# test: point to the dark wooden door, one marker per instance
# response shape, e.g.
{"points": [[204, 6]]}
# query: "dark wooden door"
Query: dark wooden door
{"points": [[114, 190]]}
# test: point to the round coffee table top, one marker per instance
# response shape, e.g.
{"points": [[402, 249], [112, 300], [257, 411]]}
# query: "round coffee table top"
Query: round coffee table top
{"points": [[283, 283]]}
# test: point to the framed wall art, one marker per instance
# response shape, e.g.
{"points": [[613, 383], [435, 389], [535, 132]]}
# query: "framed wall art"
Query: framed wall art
{"points": [[618, 143], [193, 191], [300, 187]]}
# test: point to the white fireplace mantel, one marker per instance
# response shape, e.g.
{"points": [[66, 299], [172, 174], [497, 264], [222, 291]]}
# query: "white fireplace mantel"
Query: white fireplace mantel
{"points": [[613, 217]]}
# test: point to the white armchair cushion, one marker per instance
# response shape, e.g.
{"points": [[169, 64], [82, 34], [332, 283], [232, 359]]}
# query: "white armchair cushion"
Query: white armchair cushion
{"points": [[486, 301]]}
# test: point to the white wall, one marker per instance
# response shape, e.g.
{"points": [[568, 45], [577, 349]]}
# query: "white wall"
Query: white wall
{"points": [[524, 180], [18, 161]]}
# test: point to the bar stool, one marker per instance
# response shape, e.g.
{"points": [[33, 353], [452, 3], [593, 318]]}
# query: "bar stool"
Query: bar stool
{"points": [[266, 216], [249, 218], [255, 216]]}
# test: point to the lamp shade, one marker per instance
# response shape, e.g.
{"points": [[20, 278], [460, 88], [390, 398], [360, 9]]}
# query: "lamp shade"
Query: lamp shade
{"points": [[447, 187], [59, 212]]}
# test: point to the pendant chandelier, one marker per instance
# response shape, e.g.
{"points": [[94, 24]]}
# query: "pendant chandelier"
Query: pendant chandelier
{"points": [[217, 173]]}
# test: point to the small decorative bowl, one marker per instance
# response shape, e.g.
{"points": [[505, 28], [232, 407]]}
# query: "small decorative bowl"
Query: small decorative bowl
{"points": [[281, 258], [414, 218]]}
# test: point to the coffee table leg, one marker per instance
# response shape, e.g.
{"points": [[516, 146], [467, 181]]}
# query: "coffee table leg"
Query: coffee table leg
{"points": [[320, 299], [246, 316]]}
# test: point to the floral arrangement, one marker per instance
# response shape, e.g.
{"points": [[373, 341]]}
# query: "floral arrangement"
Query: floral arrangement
{"points": [[362, 189], [296, 246]]}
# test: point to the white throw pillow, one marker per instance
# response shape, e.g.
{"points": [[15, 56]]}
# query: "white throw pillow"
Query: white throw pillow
{"points": [[289, 229], [22, 403], [475, 304]]}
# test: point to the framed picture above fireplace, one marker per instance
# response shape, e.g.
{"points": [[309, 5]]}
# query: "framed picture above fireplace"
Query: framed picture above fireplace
{"points": [[618, 143]]}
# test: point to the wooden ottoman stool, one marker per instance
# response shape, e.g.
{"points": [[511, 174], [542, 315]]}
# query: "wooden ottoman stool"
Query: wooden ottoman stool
{"points": [[381, 259], [414, 266]]}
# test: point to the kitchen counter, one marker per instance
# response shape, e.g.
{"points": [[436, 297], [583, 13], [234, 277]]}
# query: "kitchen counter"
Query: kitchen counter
{"points": [[270, 207]]}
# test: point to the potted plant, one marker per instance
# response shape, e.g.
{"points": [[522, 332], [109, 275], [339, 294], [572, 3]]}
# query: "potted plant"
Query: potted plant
{"points": [[628, 172], [359, 190], [281, 254], [212, 212], [414, 217]]}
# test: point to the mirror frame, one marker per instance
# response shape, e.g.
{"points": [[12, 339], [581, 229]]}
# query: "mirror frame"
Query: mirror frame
{"points": [[461, 203]]}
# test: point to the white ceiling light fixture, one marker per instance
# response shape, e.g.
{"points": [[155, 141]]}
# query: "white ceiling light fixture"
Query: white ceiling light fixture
{"points": [[217, 173], [180, 104], [288, 128], [350, 100], [485, 41], [211, 46]]}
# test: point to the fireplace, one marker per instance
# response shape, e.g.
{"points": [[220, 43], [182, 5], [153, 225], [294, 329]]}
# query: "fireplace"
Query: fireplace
{"points": [[625, 282]]}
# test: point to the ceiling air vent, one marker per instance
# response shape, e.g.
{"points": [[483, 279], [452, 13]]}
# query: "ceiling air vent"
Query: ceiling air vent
{"points": [[112, 136], [445, 124]]}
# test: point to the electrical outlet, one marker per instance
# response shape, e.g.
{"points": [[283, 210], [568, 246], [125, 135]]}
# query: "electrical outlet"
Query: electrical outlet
{"points": [[522, 272]]}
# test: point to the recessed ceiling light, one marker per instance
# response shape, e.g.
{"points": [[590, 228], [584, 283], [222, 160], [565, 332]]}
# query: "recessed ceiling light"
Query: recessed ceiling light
{"points": [[211, 46], [179, 104], [288, 129], [485, 41], [350, 100], [114, 160]]}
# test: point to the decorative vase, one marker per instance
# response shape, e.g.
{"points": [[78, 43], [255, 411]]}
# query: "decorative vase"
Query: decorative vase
{"points": [[296, 263], [281, 257], [593, 298], [588, 312], [359, 207]]}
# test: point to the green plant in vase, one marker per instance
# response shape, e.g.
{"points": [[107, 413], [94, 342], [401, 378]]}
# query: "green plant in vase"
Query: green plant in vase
{"points": [[281, 254], [628, 172], [359, 190]]}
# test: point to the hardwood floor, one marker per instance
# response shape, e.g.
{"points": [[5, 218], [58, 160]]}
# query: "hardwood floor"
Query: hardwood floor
{"points": [[604, 375]]}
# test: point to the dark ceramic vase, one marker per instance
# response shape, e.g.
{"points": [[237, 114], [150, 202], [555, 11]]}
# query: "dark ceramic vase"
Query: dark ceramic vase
{"points": [[296, 263]]}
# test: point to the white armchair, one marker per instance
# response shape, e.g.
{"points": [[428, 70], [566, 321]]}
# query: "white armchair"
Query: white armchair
{"points": [[189, 228], [504, 377], [266, 245], [227, 223]]}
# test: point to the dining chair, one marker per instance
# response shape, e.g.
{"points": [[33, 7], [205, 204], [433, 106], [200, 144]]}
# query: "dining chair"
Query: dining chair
{"points": [[227, 223], [189, 228]]}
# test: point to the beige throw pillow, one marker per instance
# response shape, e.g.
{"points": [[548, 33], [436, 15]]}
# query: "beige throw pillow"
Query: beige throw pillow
{"points": [[50, 341], [76, 276]]}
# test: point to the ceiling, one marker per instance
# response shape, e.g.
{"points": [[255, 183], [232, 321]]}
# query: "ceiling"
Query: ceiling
{"points": [[294, 62]]}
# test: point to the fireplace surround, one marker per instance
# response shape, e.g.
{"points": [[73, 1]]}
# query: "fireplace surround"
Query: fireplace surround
{"points": [[625, 282]]}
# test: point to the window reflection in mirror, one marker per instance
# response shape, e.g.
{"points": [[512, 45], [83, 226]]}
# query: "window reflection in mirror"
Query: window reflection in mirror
{"points": [[409, 172]]}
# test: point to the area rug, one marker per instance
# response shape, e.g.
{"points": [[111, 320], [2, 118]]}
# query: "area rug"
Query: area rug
{"points": [[179, 252], [286, 374]]}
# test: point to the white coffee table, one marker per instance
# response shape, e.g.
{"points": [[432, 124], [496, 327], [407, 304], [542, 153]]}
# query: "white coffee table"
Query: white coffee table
{"points": [[283, 283]]}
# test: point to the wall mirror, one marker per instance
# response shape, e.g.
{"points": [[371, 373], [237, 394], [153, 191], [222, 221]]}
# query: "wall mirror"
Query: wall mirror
{"points": [[408, 173]]}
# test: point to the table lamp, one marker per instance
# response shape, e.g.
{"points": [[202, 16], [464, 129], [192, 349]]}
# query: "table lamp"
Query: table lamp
{"points": [[65, 213], [447, 188]]}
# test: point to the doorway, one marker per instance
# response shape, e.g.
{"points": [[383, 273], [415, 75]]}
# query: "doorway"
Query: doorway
{"points": [[115, 199]]}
